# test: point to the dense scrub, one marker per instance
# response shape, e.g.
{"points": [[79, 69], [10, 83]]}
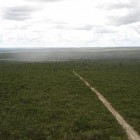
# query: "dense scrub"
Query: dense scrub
{"points": [[47, 102], [119, 82]]}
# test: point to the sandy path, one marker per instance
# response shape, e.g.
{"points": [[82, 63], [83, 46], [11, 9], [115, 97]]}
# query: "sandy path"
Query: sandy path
{"points": [[131, 133]]}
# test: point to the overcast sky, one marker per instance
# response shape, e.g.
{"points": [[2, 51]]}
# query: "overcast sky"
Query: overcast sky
{"points": [[69, 23]]}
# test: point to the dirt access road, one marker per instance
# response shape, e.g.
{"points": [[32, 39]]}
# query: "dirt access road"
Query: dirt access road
{"points": [[131, 133]]}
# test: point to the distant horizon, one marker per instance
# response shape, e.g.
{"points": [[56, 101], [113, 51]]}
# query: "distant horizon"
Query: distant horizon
{"points": [[68, 47], [69, 54]]}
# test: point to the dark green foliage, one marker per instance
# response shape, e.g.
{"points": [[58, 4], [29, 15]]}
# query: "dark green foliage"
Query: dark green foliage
{"points": [[119, 82], [48, 102]]}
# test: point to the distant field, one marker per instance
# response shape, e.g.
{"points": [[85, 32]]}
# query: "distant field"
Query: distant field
{"points": [[70, 54], [46, 101]]}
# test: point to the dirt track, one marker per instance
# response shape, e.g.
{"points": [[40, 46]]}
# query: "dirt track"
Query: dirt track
{"points": [[131, 133]]}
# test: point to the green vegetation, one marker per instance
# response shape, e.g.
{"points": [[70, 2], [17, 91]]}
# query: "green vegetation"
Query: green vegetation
{"points": [[119, 82], [46, 101]]}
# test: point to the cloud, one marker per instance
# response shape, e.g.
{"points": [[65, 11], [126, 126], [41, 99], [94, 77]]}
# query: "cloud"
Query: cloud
{"points": [[117, 6], [69, 23], [105, 30], [136, 28], [113, 5], [68, 27], [132, 16], [86, 27], [45, 0], [19, 13], [120, 6]]}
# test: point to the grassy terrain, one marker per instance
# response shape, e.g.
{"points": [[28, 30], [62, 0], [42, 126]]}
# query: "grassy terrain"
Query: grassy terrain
{"points": [[119, 82], [47, 102]]}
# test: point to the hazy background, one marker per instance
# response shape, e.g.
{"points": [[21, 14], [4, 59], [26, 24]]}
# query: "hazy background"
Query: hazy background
{"points": [[70, 54]]}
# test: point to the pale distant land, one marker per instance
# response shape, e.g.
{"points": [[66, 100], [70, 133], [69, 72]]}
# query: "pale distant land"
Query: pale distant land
{"points": [[69, 54]]}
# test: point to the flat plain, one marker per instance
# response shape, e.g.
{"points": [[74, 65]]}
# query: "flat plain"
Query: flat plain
{"points": [[45, 101]]}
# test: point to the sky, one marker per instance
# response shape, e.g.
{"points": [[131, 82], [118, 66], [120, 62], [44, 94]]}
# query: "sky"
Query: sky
{"points": [[69, 23]]}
